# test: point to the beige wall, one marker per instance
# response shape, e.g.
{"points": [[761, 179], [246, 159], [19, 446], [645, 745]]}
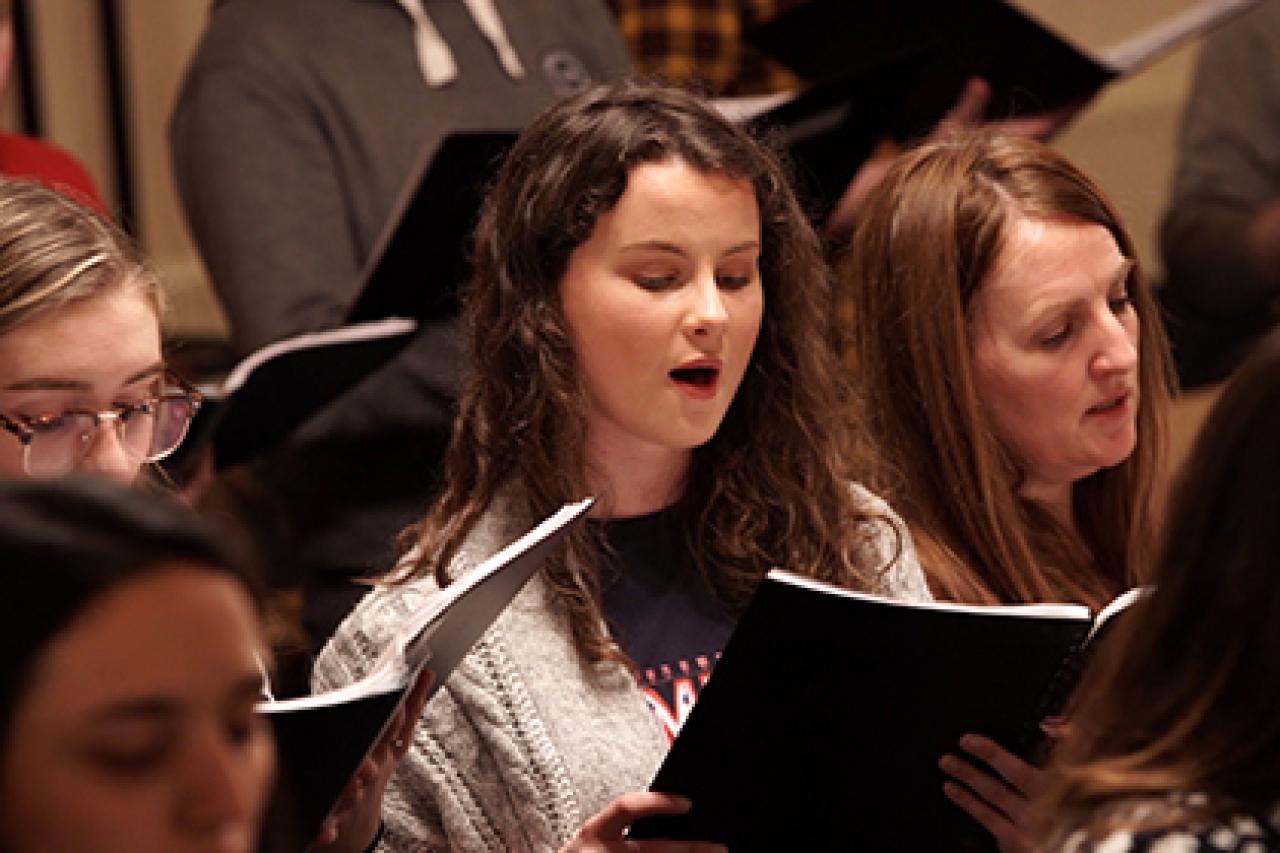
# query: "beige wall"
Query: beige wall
{"points": [[158, 37], [1125, 138]]}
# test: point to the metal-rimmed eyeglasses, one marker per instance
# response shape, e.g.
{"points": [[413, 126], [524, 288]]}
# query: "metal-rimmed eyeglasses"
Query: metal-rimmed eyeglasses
{"points": [[148, 430]]}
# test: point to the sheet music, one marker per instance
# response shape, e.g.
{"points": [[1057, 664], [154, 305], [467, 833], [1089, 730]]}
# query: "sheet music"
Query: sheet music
{"points": [[1149, 45], [747, 107]]}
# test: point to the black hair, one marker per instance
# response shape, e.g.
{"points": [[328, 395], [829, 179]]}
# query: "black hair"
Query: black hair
{"points": [[66, 543]]}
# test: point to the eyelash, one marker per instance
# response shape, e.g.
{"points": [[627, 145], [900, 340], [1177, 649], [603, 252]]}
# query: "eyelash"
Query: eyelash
{"points": [[665, 282], [1120, 303], [1117, 305], [655, 282], [734, 282], [1058, 338], [131, 762]]}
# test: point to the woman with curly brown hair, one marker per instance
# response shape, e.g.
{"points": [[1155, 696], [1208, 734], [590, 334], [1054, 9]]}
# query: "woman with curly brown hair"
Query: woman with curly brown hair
{"points": [[650, 323], [1016, 380]]}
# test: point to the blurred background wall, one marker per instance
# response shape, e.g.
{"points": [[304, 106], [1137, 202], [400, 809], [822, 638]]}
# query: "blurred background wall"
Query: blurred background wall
{"points": [[100, 78], [101, 75]]}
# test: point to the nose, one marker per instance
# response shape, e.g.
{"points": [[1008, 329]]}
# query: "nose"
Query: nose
{"points": [[106, 456], [707, 314], [220, 787], [1118, 349]]}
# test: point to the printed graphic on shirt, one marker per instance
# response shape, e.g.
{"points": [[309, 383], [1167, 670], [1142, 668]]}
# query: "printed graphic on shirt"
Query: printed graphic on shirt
{"points": [[672, 689]]}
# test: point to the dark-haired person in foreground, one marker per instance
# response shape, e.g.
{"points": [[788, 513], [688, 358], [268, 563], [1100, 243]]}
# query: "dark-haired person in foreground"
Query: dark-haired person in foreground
{"points": [[129, 670], [1175, 743]]}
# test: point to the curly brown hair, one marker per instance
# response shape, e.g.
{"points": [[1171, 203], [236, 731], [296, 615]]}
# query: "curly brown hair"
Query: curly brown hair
{"points": [[771, 488], [928, 239]]}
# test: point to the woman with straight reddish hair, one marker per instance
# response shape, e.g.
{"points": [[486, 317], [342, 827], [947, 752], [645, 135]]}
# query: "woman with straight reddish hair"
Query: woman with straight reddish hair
{"points": [[1015, 380]]}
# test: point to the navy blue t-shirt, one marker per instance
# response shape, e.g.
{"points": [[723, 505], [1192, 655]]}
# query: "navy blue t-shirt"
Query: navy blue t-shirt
{"points": [[662, 613]]}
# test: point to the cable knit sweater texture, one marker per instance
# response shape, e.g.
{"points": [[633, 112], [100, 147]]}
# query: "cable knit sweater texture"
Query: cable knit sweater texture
{"points": [[525, 741]]}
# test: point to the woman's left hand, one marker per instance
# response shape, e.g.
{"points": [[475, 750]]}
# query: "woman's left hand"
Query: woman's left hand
{"points": [[999, 802], [353, 824]]}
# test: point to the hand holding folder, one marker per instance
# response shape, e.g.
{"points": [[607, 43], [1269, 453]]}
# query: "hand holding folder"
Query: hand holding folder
{"points": [[898, 70]]}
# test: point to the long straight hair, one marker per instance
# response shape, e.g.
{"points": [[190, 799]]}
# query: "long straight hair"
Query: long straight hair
{"points": [[771, 488], [927, 241], [1184, 700]]}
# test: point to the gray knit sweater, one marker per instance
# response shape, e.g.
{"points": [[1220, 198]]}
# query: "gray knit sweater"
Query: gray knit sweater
{"points": [[524, 742]]}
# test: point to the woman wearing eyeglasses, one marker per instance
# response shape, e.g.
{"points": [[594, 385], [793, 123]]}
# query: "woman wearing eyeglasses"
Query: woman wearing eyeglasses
{"points": [[83, 384]]}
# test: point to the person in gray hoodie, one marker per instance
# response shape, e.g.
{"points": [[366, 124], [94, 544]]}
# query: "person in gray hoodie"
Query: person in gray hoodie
{"points": [[296, 129]]}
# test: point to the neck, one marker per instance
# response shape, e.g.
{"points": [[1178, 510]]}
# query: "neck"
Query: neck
{"points": [[1053, 498], [637, 482]]}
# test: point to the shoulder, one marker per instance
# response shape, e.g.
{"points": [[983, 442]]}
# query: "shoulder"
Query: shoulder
{"points": [[358, 640], [367, 629], [293, 39], [890, 545], [244, 27]]}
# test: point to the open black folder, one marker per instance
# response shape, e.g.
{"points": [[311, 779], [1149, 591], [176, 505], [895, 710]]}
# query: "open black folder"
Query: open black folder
{"points": [[827, 130], [274, 389], [1030, 67], [421, 258], [321, 739], [417, 264], [823, 723]]}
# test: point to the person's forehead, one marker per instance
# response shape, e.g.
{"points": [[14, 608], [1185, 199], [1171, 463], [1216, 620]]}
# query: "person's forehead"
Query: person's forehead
{"points": [[100, 341], [1046, 260], [176, 637]]}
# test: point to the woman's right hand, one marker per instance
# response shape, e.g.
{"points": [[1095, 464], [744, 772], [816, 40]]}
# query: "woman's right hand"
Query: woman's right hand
{"points": [[606, 831]]}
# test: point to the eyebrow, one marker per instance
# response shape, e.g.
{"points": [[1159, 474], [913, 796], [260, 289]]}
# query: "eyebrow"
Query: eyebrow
{"points": [[247, 688], [40, 383], [672, 248], [1038, 313], [149, 707]]}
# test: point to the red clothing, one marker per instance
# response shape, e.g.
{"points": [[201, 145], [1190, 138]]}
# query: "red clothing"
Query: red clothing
{"points": [[28, 157]]}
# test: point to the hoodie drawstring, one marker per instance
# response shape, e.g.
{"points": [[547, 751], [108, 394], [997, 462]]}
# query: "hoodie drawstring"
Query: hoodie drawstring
{"points": [[435, 59]]}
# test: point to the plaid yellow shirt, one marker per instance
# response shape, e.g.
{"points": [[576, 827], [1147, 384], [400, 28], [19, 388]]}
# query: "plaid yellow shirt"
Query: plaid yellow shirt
{"points": [[699, 43]]}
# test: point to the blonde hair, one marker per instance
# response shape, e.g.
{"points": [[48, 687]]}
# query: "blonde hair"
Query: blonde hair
{"points": [[54, 251]]}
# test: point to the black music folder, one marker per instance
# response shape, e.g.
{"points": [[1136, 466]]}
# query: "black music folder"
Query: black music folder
{"points": [[271, 391], [822, 724], [1030, 67], [422, 257]]}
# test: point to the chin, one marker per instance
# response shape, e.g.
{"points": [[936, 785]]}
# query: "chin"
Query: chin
{"points": [[1109, 461], [691, 436]]}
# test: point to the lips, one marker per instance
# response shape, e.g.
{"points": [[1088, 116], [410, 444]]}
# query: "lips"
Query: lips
{"points": [[1112, 405], [698, 378]]}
